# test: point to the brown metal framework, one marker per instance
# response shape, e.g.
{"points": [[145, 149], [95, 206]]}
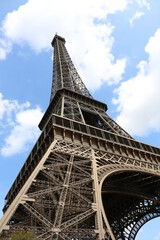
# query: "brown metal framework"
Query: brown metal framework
{"points": [[85, 178]]}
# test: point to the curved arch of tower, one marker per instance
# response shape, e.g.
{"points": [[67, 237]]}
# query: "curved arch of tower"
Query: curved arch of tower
{"points": [[86, 177]]}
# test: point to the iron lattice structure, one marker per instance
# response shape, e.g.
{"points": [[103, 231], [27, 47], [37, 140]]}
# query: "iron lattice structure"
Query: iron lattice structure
{"points": [[85, 178]]}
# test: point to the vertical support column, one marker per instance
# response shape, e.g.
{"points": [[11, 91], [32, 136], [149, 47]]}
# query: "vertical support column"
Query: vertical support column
{"points": [[62, 106], [60, 62], [97, 198], [81, 113], [62, 199]]}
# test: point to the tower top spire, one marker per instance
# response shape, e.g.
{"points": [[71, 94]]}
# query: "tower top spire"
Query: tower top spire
{"points": [[65, 74], [59, 38]]}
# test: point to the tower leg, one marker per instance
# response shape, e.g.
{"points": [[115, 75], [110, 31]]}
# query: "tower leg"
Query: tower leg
{"points": [[96, 198]]}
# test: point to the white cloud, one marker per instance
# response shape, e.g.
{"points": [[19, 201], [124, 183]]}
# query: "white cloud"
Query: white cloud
{"points": [[37, 21], [83, 24], [8, 107], [143, 3], [21, 120], [138, 98], [5, 48], [135, 17]]}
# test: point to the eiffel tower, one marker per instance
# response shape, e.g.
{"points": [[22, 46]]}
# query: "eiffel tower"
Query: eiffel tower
{"points": [[86, 177]]}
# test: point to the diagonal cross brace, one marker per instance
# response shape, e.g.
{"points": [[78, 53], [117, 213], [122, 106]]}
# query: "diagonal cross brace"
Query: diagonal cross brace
{"points": [[44, 191], [77, 219], [80, 195], [38, 215]]}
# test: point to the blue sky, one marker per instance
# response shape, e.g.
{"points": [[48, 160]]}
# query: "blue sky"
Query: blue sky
{"points": [[115, 47]]}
